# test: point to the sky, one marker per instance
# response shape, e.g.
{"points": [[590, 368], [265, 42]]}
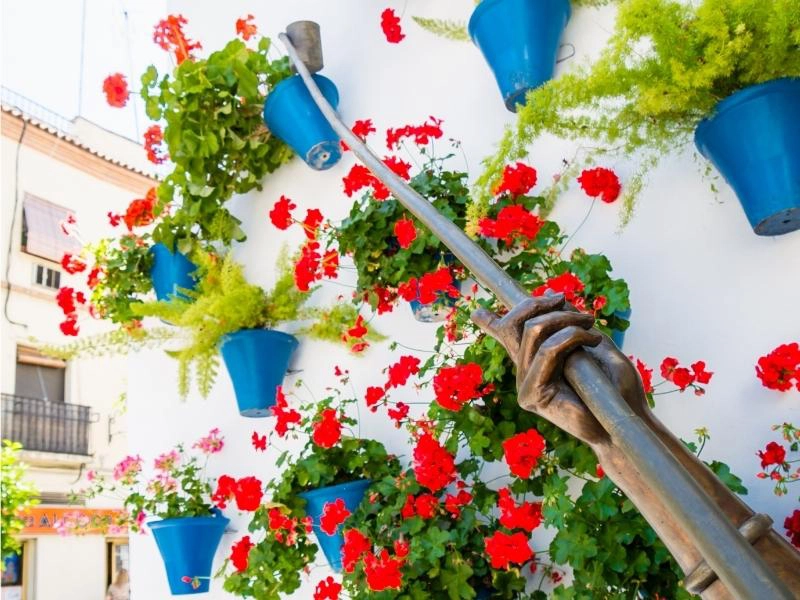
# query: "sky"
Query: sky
{"points": [[41, 55]]}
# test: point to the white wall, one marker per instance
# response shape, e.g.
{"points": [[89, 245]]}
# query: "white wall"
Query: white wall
{"points": [[72, 567], [703, 286]]}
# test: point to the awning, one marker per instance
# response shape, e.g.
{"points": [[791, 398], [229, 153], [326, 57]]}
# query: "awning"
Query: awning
{"points": [[42, 234]]}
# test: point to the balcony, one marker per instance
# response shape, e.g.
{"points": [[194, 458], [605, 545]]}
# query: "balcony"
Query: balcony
{"points": [[44, 426]]}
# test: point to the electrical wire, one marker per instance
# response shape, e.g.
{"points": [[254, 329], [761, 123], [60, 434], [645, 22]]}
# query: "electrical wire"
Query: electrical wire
{"points": [[13, 224]]}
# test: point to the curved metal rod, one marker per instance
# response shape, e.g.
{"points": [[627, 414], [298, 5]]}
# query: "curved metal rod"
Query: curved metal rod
{"points": [[726, 551]]}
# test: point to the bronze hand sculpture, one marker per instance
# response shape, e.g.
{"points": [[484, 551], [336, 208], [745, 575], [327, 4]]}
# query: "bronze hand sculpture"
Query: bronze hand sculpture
{"points": [[539, 334]]}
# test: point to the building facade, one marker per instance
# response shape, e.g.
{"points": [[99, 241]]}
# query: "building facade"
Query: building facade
{"points": [[69, 416]]}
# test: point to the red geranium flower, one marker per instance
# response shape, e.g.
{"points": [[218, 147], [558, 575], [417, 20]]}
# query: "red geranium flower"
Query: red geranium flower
{"points": [[116, 90], [566, 283], [358, 330], [430, 287], [361, 129], [327, 589], [683, 377], [306, 269], [405, 232], [286, 416], [773, 454], [398, 413], [401, 548], [457, 385], [383, 572], [248, 493], [373, 395], [356, 544], [245, 28], [517, 180], [281, 215], [426, 505], [522, 452], [453, 504], [69, 326], [399, 167], [513, 223], [777, 369], [259, 442], [422, 134], [792, 526], [504, 549], [390, 23], [333, 515], [646, 375], [72, 264], [140, 212], [240, 552], [330, 264], [153, 137], [399, 372], [312, 222], [359, 177], [600, 182], [226, 487], [328, 430], [527, 516], [434, 467], [169, 35]]}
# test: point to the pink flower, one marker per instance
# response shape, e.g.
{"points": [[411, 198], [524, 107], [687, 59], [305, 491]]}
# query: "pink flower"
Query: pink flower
{"points": [[127, 469], [210, 444], [166, 461]]}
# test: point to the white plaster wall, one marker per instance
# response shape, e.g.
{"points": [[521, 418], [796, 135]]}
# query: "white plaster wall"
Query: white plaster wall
{"points": [[703, 286], [71, 567]]}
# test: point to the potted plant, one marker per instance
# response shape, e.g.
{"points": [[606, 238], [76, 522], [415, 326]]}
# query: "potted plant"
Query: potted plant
{"points": [[17, 494], [175, 504], [705, 64], [317, 492], [226, 314]]}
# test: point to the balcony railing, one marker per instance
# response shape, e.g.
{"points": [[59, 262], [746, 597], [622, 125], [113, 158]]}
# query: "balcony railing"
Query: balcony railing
{"points": [[46, 426]]}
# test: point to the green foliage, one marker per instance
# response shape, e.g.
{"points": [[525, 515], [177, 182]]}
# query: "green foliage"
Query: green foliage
{"points": [[667, 64], [117, 342], [16, 496], [216, 138], [452, 30]]}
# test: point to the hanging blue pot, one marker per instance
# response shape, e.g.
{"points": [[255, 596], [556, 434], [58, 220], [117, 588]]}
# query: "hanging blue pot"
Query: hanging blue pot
{"points": [[519, 39], [753, 139], [257, 360], [171, 272], [435, 312], [618, 336], [187, 546], [293, 116], [352, 493]]}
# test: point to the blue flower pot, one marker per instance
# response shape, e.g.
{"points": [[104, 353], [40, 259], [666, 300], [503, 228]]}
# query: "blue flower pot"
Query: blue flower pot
{"points": [[519, 39], [352, 493], [171, 272], [293, 116], [187, 546], [435, 312], [753, 139], [617, 336], [257, 360]]}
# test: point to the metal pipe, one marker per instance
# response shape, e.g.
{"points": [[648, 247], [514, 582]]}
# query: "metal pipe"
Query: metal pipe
{"points": [[726, 551]]}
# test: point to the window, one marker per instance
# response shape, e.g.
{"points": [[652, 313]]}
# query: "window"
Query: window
{"points": [[39, 376], [41, 229], [46, 277]]}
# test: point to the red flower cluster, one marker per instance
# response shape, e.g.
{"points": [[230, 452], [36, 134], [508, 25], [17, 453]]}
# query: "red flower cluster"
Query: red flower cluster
{"points": [[424, 506], [522, 451], [361, 129], [453, 504], [457, 385], [355, 545], [333, 515], [513, 223], [281, 215], [286, 416], [399, 372], [383, 572], [792, 526], [360, 177], [773, 454], [259, 442], [306, 269], [504, 549], [434, 467], [517, 180], [153, 138], [777, 369], [245, 29], [327, 589], [646, 375], [373, 395], [405, 232], [428, 288], [566, 283], [422, 134], [398, 413], [285, 528], [328, 430], [68, 300], [240, 552], [247, 491], [390, 23], [311, 223], [600, 182], [169, 35], [115, 87], [527, 516], [140, 212], [72, 264], [682, 377]]}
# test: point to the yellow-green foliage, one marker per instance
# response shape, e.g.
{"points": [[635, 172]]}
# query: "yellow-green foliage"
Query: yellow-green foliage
{"points": [[452, 30], [16, 495], [120, 341], [328, 324], [666, 66]]}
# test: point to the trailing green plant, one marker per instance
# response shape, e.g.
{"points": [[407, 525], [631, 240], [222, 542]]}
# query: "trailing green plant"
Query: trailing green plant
{"points": [[16, 496], [225, 302], [215, 137], [664, 69], [117, 342]]}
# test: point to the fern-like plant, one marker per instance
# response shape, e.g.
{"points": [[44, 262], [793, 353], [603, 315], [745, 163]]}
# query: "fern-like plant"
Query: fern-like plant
{"points": [[667, 64]]}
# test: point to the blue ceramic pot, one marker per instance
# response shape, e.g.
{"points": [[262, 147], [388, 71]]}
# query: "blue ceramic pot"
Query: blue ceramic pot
{"points": [[352, 493], [617, 336], [171, 272], [187, 546], [435, 312], [257, 360], [753, 139], [519, 39], [293, 116]]}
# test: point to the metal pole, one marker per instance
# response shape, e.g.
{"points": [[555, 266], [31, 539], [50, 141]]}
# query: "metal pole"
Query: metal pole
{"points": [[726, 551]]}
